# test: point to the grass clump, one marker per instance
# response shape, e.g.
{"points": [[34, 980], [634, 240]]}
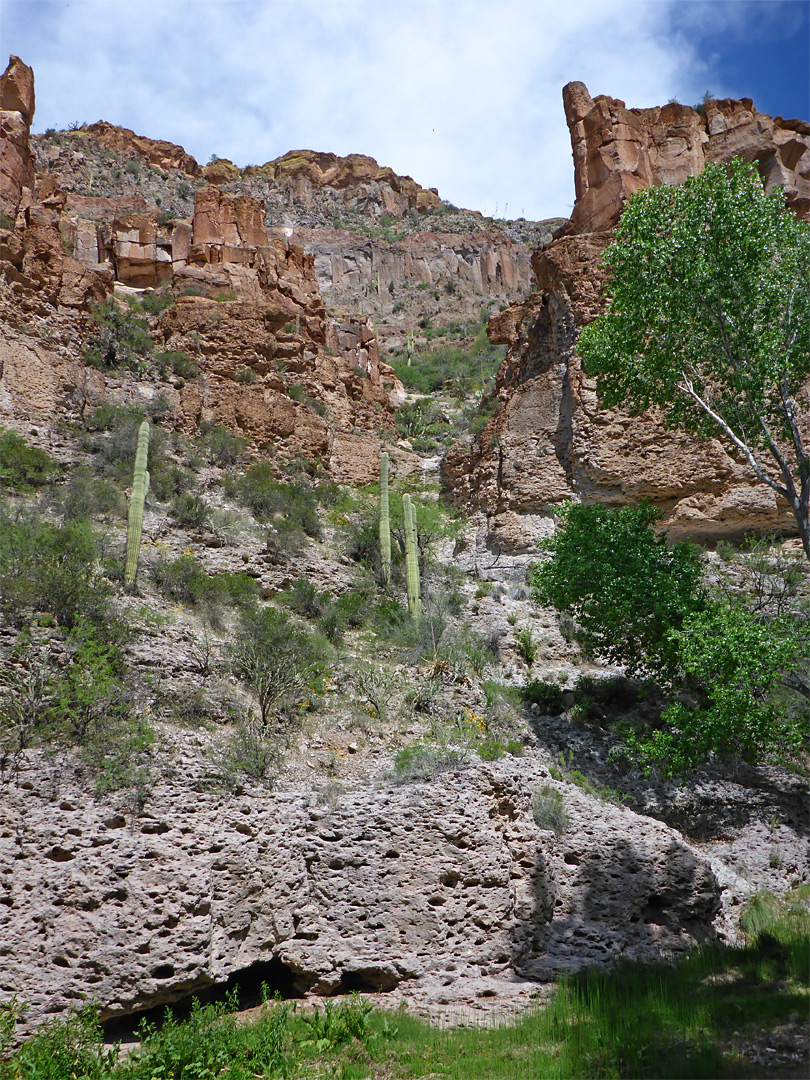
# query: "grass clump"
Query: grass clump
{"points": [[548, 809]]}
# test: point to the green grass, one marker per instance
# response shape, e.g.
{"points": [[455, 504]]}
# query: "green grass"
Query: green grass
{"points": [[686, 1018]]}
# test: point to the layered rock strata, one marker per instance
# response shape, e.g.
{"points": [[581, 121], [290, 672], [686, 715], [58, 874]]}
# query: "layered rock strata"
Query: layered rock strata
{"points": [[552, 439]]}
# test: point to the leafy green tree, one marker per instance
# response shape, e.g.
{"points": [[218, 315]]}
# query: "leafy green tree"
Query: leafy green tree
{"points": [[709, 319], [622, 585], [732, 678]]}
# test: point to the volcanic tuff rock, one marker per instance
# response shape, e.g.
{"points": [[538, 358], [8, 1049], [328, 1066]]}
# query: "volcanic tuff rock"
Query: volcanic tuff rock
{"points": [[551, 438], [418, 885]]}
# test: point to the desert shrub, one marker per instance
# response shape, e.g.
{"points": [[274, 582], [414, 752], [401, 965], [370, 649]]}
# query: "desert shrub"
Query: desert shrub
{"points": [[354, 605], [292, 507], [23, 467], [548, 697], [423, 423], [251, 751], [450, 366], [221, 446], [77, 696], [526, 645], [281, 663], [377, 686], [425, 760], [435, 524], [85, 496], [177, 363], [186, 580], [548, 809], [153, 302], [304, 599], [52, 568], [122, 339], [111, 434], [191, 511]]}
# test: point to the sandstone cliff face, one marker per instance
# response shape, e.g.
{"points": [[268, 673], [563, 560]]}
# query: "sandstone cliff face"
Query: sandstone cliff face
{"points": [[551, 439], [412, 887]]}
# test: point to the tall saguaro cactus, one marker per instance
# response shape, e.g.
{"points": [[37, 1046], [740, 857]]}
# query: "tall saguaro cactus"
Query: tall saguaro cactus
{"points": [[411, 558], [140, 485], [385, 522]]}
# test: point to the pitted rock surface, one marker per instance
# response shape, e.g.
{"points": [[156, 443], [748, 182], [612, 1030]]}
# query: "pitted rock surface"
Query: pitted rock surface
{"points": [[407, 887]]}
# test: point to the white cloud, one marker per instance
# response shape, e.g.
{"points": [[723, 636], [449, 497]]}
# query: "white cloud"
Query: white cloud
{"points": [[464, 95]]}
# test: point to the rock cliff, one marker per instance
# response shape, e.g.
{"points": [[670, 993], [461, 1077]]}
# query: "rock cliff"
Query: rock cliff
{"points": [[415, 888], [256, 326], [551, 438]]}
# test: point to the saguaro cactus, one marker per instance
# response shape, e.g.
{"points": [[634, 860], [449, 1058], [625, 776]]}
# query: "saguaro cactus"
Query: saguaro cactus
{"points": [[140, 485], [385, 522], [411, 558]]}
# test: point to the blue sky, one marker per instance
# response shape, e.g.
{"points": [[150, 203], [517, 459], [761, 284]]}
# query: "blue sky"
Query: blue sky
{"points": [[463, 95]]}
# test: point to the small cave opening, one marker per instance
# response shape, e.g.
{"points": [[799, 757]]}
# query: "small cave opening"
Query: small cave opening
{"points": [[279, 979], [367, 980]]}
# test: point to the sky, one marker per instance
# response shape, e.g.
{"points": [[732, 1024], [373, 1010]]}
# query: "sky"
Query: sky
{"points": [[462, 95]]}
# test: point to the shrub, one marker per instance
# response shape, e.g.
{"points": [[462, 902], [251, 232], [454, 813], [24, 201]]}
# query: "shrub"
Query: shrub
{"points": [[424, 761], [178, 363], [22, 466], [121, 341], [291, 507], [526, 645], [52, 568], [221, 446], [191, 511], [153, 303], [84, 496], [280, 663], [548, 809], [548, 697], [245, 375]]}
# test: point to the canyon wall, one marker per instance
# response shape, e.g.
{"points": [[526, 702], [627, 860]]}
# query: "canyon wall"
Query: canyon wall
{"points": [[551, 438], [248, 309]]}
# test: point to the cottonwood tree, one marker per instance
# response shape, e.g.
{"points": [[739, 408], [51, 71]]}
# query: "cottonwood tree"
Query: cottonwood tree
{"points": [[709, 319]]}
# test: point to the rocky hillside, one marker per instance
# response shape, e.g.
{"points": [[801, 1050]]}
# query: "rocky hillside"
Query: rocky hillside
{"points": [[551, 439], [253, 764]]}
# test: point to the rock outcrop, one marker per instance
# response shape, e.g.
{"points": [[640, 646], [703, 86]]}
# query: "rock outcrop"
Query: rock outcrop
{"points": [[618, 151], [158, 152], [408, 886], [16, 113], [551, 438], [273, 366], [306, 171]]}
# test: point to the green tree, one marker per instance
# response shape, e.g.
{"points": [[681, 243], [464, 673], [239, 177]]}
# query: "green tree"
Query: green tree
{"points": [[709, 319], [733, 679], [622, 585]]}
